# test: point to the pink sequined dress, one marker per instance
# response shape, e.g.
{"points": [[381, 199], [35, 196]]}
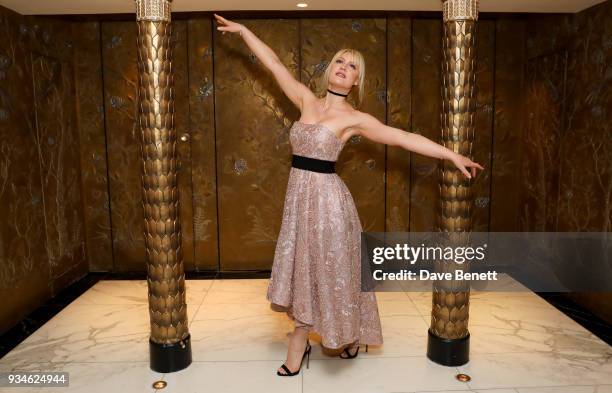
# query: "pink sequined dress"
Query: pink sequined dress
{"points": [[316, 271]]}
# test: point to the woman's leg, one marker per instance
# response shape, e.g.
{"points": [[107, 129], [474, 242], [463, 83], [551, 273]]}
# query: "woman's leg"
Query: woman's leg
{"points": [[297, 345], [300, 324]]}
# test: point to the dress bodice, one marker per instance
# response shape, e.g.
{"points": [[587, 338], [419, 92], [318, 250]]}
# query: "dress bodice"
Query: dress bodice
{"points": [[315, 140]]}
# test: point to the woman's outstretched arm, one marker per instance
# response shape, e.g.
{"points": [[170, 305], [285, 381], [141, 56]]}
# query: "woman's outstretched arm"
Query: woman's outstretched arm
{"points": [[293, 89], [371, 128]]}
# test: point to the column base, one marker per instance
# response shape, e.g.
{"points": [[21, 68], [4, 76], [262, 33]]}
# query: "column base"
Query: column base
{"points": [[167, 358], [448, 352]]}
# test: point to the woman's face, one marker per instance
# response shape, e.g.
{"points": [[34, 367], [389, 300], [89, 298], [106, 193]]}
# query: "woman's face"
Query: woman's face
{"points": [[344, 72]]}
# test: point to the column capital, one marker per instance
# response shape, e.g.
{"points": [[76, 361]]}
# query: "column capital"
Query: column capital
{"points": [[459, 10], [153, 10]]}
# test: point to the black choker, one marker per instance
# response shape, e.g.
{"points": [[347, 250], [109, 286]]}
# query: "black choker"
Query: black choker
{"points": [[338, 94]]}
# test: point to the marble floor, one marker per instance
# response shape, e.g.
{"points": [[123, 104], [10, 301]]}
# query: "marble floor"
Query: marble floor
{"points": [[519, 344]]}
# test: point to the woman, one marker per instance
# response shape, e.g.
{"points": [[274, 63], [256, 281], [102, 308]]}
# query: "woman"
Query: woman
{"points": [[316, 269]]}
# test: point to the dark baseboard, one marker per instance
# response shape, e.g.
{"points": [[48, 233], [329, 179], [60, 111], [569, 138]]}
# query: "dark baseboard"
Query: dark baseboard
{"points": [[580, 315]]}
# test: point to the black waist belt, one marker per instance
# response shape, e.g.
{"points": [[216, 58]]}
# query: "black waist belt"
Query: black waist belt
{"points": [[313, 164]]}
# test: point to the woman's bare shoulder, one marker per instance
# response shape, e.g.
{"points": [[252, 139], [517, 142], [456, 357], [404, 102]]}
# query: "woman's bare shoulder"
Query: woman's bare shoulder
{"points": [[356, 118], [310, 99]]}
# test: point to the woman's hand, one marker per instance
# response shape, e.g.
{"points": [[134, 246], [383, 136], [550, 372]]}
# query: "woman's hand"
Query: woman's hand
{"points": [[227, 25], [462, 162]]}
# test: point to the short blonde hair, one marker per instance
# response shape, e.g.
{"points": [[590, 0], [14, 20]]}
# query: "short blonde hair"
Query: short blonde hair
{"points": [[358, 58]]}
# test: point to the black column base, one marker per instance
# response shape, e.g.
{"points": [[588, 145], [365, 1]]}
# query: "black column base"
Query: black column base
{"points": [[167, 358], [448, 352]]}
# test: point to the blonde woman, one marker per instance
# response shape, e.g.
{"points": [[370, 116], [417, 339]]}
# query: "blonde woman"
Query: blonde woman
{"points": [[316, 269]]}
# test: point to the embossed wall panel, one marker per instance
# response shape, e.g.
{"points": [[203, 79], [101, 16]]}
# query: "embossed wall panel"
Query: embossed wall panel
{"points": [[361, 163], [578, 106], [49, 37], [57, 141], [90, 121], [508, 125], [51, 54], [585, 183], [119, 69], [543, 129], [180, 69], [253, 117], [399, 89], [483, 122], [24, 267], [546, 34], [202, 136], [585, 194], [426, 99], [585, 197]]}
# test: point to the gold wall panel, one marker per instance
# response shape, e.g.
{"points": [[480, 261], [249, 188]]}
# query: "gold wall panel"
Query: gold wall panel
{"points": [[47, 36], [25, 282], [202, 137], [541, 141], [361, 164], [180, 75], [483, 122], [585, 143], [120, 79], [252, 117], [546, 34], [90, 122], [399, 113], [585, 188], [215, 163], [507, 125], [57, 141], [426, 107], [119, 56]]}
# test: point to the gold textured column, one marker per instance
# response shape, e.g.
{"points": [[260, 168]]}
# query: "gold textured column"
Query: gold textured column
{"points": [[170, 343], [448, 335]]}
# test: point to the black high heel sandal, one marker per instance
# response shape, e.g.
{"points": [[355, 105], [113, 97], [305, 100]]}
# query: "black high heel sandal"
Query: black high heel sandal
{"points": [[348, 354], [306, 354]]}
